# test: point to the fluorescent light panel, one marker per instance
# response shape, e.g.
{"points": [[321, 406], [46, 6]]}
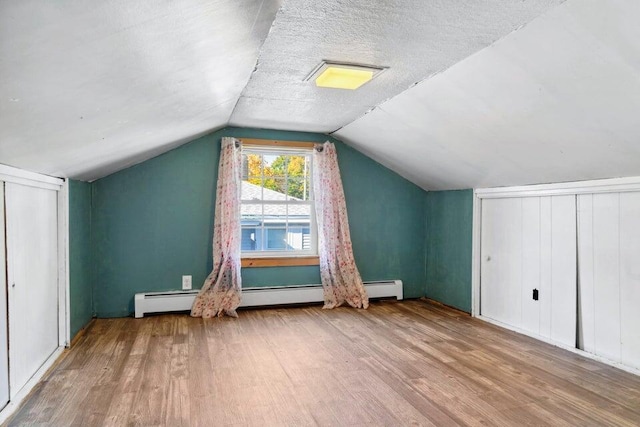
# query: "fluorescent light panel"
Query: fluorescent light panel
{"points": [[343, 76]]}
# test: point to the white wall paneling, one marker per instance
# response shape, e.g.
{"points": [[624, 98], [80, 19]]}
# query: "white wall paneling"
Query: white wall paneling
{"points": [[630, 279], [4, 345], [579, 243], [501, 250], [609, 245], [586, 327], [531, 263], [32, 261], [562, 294], [545, 267], [529, 244]]}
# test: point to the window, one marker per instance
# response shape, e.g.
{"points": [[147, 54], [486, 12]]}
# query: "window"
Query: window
{"points": [[277, 212]]}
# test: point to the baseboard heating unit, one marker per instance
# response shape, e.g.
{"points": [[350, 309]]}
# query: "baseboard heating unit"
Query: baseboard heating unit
{"points": [[164, 302]]}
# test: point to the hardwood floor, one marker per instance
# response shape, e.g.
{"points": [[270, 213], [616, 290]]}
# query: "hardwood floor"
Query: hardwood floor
{"points": [[398, 363]]}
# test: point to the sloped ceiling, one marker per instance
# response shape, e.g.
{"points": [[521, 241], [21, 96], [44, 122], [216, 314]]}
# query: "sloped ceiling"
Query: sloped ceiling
{"points": [[508, 92], [558, 100], [414, 38], [88, 88]]}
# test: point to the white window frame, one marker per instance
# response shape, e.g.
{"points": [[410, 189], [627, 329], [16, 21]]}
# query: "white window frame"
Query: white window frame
{"points": [[313, 226]]}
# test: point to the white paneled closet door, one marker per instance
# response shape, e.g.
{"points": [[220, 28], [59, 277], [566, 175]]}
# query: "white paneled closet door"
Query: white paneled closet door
{"points": [[561, 297], [609, 267], [501, 251], [527, 244], [32, 270], [4, 345]]}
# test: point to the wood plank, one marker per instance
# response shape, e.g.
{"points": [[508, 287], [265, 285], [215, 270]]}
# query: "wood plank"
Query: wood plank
{"points": [[276, 143], [397, 363], [280, 261]]}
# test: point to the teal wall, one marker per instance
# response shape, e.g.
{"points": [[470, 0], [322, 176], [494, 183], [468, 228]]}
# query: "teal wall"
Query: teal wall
{"points": [[152, 223], [80, 263], [448, 240]]}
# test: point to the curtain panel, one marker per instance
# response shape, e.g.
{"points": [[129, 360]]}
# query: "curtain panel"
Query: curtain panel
{"points": [[341, 279], [222, 289]]}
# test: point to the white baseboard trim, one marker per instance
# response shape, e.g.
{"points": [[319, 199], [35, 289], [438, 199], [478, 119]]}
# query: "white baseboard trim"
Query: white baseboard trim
{"points": [[166, 302], [20, 396], [583, 353]]}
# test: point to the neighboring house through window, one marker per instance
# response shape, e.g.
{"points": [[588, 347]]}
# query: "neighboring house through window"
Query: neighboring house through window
{"points": [[277, 212]]}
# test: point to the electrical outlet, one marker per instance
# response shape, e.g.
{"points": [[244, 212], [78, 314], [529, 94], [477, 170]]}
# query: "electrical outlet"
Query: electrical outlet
{"points": [[186, 282]]}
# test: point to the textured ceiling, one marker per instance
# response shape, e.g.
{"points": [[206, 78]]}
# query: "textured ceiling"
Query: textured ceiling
{"points": [[88, 88], [414, 38], [510, 92], [555, 101]]}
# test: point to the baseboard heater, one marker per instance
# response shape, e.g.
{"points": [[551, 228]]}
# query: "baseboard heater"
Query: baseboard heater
{"points": [[164, 302]]}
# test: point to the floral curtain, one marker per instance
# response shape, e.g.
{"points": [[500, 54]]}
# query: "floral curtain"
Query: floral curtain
{"points": [[221, 291], [340, 277]]}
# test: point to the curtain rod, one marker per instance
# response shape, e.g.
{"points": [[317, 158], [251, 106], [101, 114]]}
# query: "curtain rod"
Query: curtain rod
{"points": [[278, 143]]}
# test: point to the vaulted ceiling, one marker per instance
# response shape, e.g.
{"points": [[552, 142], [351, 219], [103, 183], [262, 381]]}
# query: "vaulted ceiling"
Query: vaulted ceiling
{"points": [[476, 93], [556, 101]]}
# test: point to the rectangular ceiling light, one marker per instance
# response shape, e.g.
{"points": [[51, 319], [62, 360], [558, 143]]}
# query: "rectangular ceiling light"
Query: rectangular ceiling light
{"points": [[343, 76]]}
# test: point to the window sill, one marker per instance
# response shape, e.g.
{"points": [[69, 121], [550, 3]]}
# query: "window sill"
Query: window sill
{"points": [[280, 261]]}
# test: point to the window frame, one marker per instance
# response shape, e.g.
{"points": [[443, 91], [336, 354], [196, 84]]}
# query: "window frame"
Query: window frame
{"points": [[283, 257]]}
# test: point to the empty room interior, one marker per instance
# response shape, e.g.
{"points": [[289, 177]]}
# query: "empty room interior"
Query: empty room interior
{"points": [[320, 213]]}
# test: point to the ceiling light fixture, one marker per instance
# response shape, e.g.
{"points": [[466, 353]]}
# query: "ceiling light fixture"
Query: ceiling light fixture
{"points": [[343, 76]]}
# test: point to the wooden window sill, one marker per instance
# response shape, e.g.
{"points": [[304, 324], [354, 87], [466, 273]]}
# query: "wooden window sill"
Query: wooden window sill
{"points": [[280, 261]]}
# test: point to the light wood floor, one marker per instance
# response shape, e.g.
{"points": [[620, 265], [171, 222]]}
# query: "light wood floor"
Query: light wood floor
{"points": [[398, 363]]}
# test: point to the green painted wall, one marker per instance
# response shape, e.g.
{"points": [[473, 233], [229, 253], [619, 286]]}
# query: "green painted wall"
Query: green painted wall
{"points": [[80, 263], [448, 240], [153, 222]]}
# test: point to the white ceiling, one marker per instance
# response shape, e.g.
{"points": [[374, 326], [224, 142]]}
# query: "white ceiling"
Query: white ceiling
{"points": [[414, 38], [87, 89], [558, 100]]}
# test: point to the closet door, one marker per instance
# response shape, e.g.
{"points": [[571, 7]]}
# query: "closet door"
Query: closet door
{"points": [[561, 296], [609, 247], [4, 345], [32, 267], [501, 251], [527, 244]]}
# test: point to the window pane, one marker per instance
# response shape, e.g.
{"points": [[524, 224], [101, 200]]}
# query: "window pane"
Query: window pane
{"points": [[274, 189], [299, 219], [267, 181], [270, 189], [250, 239], [275, 215], [251, 214], [297, 166], [306, 239], [299, 215], [275, 239], [298, 188], [252, 164], [250, 191], [278, 165], [297, 239]]}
